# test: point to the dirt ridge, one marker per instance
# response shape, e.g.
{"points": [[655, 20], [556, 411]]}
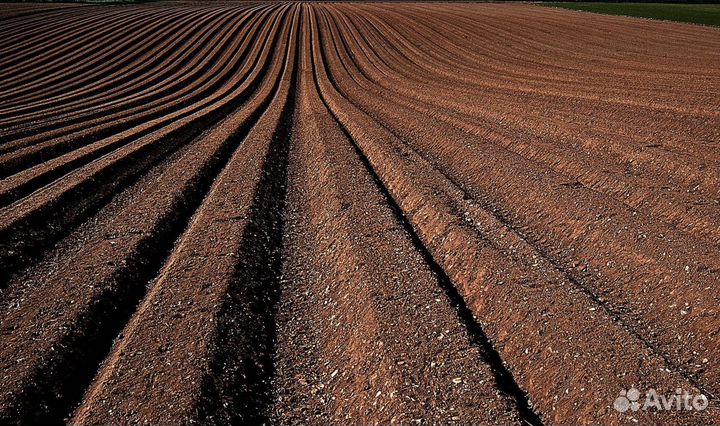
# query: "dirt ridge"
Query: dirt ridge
{"points": [[355, 213]]}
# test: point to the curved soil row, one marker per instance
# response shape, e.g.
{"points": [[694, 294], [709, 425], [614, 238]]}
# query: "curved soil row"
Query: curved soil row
{"points": [[357, 213], [123, 252], [150, 68], [212, 70], [34, 222], [225, 381], [475, 276], [615, 267], [689, 211], [52, 52], [353, 346]]}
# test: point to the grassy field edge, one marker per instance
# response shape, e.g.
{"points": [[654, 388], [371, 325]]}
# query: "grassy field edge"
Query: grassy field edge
{"points": [[703, 14]]}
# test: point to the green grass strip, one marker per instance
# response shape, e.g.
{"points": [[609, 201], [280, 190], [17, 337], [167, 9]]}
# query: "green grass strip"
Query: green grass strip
{"points": [[705, 14]]}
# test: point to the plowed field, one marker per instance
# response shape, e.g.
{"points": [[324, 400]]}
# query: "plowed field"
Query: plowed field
{"points": [[321, 213]]}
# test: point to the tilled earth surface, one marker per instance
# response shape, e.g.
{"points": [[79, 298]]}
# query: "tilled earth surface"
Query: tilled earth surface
{"points": [[232, 213]]}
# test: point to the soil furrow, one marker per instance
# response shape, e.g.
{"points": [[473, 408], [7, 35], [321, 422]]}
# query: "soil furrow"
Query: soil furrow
{"points": [[501, 291], [342, 335], [547, 218], [36, 35], [36, 222], [104, 73], [15, 113], [684, 211], [50, 57], [214, 70], [162, 64], [88, 150], [357, 213], [227, 381], [124, 254], [466, 100]]}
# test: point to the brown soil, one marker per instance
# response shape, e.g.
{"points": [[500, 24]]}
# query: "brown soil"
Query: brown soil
{"points": [[248, 213]]}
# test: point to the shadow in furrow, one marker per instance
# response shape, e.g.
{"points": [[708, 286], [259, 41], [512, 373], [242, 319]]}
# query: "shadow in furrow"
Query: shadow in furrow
{"points": [[58, 387], [39, 231], [577, 279], [238, 388], [503, 377], [115, 58], [29, 109], [111, 128]]}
